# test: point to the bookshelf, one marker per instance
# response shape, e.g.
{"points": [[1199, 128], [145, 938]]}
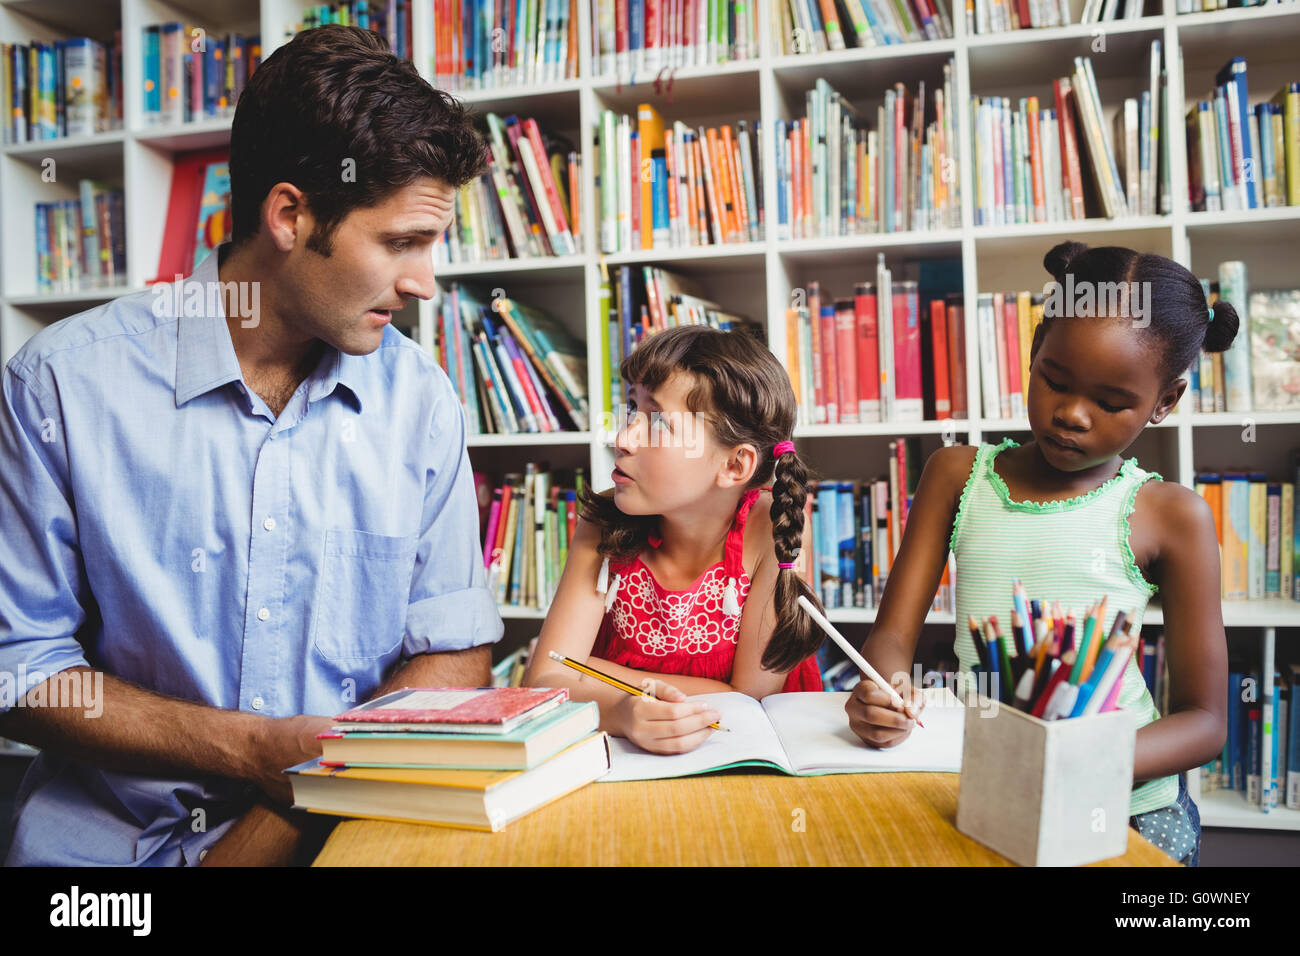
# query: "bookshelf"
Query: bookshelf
{"points": [[752, 278]]}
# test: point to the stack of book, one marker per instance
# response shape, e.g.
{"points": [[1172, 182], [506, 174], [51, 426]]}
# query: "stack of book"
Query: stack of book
{"points": [[836, 177], [1260, 727], [515, 368], [1258, 534], [484, 45], [531, 520], [642, 300], [662, 188], [1047, 165], [998, 16], [857, 528], [811, 26], [81, 243], [391, 19], [882, 356], [66, 88], [1241, 156], [647, 36], [525, 205], [190, 75], [1005, 324], [1261, 370], [477, 757]]}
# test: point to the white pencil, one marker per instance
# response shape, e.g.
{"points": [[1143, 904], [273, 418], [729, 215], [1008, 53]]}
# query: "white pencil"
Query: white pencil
{"points": [[854, 656]]}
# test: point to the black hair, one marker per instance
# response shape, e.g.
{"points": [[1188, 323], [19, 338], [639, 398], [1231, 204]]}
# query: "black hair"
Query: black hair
{"points": [[1179, 326]]}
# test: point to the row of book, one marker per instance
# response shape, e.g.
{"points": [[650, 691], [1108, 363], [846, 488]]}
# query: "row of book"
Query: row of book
{"points": [[857, 528], [527, 527], [471, 757], [1030, 162], [1258, 536], [662, 188], [1259, 728], [836, 177], [487, 44], [69, 87], [638, 301], [1261, 370], [191, 76], [1200, 6], [515, 368], [813, 26], [999, 16], [391, 19], [81, 243], [648, 36], [883, 355], [526, 204], [1241, 156]]}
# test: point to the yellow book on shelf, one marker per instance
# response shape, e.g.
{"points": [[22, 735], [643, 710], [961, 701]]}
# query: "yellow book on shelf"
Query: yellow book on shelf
{"points": [[1289, 99], [1236, 533], [1257, 542], [650, 136], [1024, 320]]}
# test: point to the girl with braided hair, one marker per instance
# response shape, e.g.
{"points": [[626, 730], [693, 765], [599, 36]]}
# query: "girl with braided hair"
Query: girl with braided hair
{"points": [[683, 579]]}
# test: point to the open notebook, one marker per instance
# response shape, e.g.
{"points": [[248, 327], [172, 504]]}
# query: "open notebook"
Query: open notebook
{"points": [[803, 734]]}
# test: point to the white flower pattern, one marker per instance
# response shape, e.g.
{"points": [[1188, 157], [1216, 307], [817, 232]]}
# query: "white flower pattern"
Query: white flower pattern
{"points": [[658, 622]]}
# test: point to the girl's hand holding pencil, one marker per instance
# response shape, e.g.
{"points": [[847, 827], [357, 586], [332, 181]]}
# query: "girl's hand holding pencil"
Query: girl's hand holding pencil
{"points": [[875, 719]]}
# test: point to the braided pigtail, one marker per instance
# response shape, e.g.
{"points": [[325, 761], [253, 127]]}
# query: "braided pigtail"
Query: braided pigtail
{"points": [[796, 635]]}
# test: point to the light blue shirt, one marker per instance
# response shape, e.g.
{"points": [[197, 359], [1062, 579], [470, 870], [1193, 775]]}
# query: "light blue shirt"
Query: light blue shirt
{"points": [[159, 522]]}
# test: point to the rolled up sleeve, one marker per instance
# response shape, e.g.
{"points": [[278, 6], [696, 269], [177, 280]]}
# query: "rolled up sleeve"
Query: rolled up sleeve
{"points": [[450, 607], [42, 576]]}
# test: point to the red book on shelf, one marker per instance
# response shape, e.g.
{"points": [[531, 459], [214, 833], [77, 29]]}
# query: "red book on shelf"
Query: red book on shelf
{"points": [[514, 135], [864, 314], [1036, 161], [180, 227], [908, 394], [829, 357], [548, 182], [1022, 9], [620, 31], [846, 351], [571, 46], [939, 352], [957, 355], [1011, 329], [457, 709], [651, 33], [1066, 118]]}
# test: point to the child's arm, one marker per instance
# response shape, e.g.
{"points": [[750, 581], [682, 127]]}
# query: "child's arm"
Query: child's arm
{"points": [[1187, 570], [913, 580], [758, 614], [662, 726]]}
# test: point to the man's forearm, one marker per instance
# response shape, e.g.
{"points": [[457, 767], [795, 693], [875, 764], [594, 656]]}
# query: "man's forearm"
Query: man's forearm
{"points": [[139, 731], [471, 667]]}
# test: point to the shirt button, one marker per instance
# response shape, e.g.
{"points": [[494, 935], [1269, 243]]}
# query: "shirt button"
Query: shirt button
{"points": [[263, 614], [269, 524], [257, 702]]}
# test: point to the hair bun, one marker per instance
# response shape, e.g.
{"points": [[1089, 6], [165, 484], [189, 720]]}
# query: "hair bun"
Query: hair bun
{"points": [[1060, 256], [1220, 333]]}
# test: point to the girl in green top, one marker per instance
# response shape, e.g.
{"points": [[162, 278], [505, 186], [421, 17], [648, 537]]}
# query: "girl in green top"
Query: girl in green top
{"points": [[1074, 520]]}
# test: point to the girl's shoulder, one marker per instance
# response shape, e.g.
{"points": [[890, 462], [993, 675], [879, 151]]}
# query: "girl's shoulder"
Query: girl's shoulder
{"points": [[950, 467]]}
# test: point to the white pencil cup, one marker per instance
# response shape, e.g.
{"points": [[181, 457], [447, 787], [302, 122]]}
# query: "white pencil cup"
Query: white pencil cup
{"points": [[1046, 793]]}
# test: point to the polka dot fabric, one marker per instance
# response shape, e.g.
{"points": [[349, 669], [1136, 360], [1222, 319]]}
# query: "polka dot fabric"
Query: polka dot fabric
{"points": [[1175, 829]]}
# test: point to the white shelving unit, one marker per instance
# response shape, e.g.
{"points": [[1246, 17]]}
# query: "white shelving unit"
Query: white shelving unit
{"points": [[754, 278]]}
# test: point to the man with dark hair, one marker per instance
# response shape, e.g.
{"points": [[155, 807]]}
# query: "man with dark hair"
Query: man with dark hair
{"points": [[220, 525]]}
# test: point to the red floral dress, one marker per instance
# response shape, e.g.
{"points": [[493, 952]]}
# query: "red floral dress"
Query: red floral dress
{"points": [[692, 632]]}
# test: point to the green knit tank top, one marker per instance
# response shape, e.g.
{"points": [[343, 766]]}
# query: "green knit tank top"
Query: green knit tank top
{"points": [[1074, 551]]}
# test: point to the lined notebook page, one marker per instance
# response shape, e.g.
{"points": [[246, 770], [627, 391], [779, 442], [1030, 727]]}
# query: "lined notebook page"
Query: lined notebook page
{"points": [[814, 732]]}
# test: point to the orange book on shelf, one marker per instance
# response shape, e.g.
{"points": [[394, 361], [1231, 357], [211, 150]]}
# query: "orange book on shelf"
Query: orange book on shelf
{"points": [[796, 194], [650, 134], [805, 178], [671, 164], [571, 59], [792, 351], [711, 192], [721, 184], [735, 183], [697, 190]]}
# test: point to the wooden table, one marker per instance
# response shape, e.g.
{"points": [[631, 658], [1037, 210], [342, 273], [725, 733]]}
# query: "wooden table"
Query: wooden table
{"points": [[728, 819]]}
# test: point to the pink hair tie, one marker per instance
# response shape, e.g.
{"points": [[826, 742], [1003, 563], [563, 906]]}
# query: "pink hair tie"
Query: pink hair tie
{"points": [[782, 447], [785, 565]]}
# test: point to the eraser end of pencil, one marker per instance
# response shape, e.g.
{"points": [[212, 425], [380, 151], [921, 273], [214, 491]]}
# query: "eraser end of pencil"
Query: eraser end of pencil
{"points": [[555, 657]]}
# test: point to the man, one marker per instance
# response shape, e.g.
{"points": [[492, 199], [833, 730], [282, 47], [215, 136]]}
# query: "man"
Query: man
{"points": [[217, 526]]}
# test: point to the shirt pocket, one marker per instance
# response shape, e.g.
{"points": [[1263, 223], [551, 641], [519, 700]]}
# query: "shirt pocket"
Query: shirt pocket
{"points": [[361, 599]]}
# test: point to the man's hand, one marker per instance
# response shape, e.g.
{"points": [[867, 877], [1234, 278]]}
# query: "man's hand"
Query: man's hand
{"points": [[286, 741]]}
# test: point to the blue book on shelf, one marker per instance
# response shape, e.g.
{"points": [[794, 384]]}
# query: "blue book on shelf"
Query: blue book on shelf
{"points": [[1234, 770], [152, 71], [847, 541], [635, 33], [828, 544], [1235, 69]]}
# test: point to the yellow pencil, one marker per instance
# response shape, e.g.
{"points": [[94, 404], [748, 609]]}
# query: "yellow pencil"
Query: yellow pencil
{"points": [[613, 681]]}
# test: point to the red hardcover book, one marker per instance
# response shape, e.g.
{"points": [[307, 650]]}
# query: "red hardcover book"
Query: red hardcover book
{"points": [[548, 181], [939, 350], [1022, 10], [514, 133], [179, 233], [846, 351], [908, 394], [1000, 344], [620, 35], [498, 543], [1011, 329], [864, 314], [482, 710], [1066, 118], [651, 33], [957, 355], [1036, 162]]}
